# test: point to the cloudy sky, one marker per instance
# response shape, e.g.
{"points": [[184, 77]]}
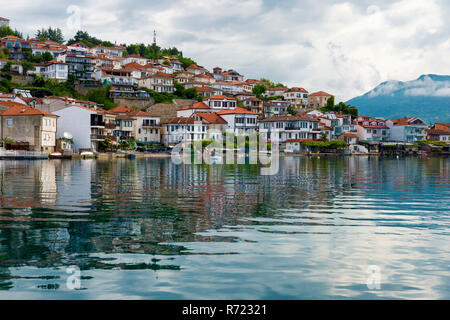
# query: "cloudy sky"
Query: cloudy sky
{"points": [[342, 47]]}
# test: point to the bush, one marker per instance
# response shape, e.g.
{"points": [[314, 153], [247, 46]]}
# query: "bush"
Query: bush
{"points": [[433, 143]]}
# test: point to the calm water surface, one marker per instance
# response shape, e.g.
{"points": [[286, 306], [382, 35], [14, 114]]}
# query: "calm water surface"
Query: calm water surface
{"points": [[155, 230]]}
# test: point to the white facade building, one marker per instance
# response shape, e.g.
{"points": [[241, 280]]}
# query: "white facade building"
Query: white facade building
{"points": [[407, 129]]}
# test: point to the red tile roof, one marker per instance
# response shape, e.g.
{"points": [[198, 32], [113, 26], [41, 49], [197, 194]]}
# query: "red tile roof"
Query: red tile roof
{"points": [[350, 135], [238, 110], [121, 109], [319, 94], [218, 97], [18, 109], [211, 117], [183, 120], [406, 121], [198, 105]]}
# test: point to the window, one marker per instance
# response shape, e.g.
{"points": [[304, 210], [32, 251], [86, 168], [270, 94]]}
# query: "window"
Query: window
{"points": [[9, 122]]}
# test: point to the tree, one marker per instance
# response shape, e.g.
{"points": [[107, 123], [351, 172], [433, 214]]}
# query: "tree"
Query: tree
{"points": [[179, 89], [7, 67], [353, 111], [324, 136], [50, 34], [291, 110], [7, 31], [27, 65], [167, 63], [83, 36], [259, 89], [191, 93], [330, 104], [47, 56], [101, 96]]}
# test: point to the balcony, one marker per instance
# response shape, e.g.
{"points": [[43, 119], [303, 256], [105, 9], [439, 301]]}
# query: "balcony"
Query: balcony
{"points": [[97, 137], [96, 123], [149, 125], [110, 125]]}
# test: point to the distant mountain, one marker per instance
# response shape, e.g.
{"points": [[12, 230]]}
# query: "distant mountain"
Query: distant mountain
{"points": [[427, 97]]}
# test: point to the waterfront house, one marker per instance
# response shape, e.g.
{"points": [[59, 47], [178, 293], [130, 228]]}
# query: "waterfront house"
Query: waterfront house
{"points": [[348, 137], [439, 132], [148, 128], [86, 124], [371, 129], [407, 129], [239, 120], [216, 124], [145, 126], [24, 123], [182, 129], [317, 100], [285, 127]]}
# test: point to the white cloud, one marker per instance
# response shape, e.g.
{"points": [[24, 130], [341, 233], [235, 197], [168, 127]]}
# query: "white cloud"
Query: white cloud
{"points": [[342, 47]]}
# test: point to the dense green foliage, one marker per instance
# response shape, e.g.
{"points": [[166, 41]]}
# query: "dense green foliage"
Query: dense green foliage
{"points": [[259, 89], [50, 34], [341, 107], [7, 31], [291, 110], [101, 96], [333, 144], [84, 37], [272, 84], [433, 143]]}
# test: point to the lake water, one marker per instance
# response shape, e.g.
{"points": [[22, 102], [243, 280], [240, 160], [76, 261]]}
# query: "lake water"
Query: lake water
{"points": [[152, 229]]}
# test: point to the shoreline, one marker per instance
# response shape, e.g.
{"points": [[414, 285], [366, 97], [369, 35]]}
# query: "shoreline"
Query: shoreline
{"points": [[165, 155]]}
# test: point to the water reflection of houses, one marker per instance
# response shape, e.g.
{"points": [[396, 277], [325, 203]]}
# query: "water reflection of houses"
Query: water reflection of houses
{"points": [[141, 206]]}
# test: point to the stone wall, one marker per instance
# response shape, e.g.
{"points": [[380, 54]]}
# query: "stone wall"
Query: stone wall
{"points": [[142, 104], [167, 111], [22, 80]]}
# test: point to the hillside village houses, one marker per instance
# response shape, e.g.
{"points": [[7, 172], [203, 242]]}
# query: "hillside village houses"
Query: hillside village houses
{"points": [[407, 129], [439, 132], [228, 104]]}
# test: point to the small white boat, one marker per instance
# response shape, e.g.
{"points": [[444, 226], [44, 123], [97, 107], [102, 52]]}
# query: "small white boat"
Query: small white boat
{"points": [[56, 154], [87, 154]]}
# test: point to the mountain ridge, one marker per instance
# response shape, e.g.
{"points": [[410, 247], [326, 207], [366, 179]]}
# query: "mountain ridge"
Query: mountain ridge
{"points": [[426, 97]]}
